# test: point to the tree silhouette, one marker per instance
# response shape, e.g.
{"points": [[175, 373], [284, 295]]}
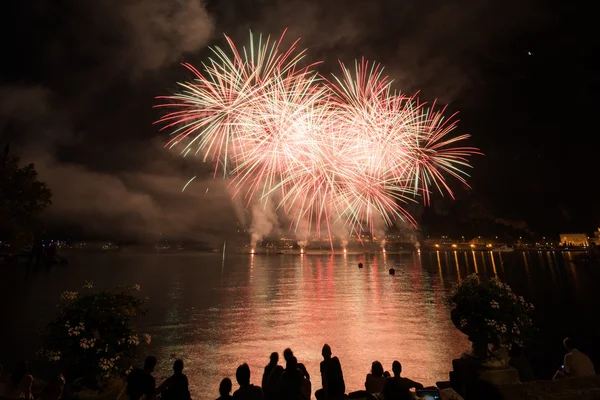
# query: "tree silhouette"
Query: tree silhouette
{"points": [[22, 199]]}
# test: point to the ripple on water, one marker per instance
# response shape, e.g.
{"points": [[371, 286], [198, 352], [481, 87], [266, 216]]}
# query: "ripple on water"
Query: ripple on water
{"points": [[218, 316]]}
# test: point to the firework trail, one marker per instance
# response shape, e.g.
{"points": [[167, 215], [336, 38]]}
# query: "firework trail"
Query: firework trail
{"points": [[348, 149]]}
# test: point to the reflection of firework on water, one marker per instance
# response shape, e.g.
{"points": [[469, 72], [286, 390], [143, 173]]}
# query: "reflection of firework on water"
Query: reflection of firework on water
{"points": [[348, 150]]}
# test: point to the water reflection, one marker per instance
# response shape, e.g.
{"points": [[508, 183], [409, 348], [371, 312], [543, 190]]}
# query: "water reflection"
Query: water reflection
{"points": [[456, 263], [305, 301], [440, 268], [218, 314], [493, 263]]}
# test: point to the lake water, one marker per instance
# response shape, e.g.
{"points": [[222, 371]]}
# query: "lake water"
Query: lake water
{"points": [[216, 315]]}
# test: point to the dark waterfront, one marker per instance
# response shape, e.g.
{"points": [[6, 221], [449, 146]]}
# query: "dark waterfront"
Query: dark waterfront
{"points": [[217, 315]]}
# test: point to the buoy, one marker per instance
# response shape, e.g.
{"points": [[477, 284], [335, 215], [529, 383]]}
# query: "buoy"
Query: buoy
{"points": [[360, 265], [392, 271]]}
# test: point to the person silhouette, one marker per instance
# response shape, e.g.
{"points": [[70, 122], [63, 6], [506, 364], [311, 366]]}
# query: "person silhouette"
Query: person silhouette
{"points": [[224, 389], [175, 387], [247, 391], [287, 354], [332, 377], [375, 379], [271, 383], [404, 382], [291, 380], [575, 362], [273, 360], [140, 382]]}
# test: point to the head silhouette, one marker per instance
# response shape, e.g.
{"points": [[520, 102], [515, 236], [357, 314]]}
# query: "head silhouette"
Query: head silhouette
{"points": [[225, 387], [396, 368], [242, 375], [292, 364], [149, 363], [377, 368], [326, 352], [178, 366], [287, 353], [569, 344], [274, 358]]}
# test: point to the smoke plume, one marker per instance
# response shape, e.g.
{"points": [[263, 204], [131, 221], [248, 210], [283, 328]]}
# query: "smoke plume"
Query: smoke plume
{"points": [[264, 221]]}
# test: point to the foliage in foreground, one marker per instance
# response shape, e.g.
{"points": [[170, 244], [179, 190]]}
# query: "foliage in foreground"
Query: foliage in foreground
{"points": [[486, 310], [94, 335]]}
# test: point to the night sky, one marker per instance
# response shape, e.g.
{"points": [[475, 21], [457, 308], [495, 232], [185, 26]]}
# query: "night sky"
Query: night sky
{"points": [[78, 82]]}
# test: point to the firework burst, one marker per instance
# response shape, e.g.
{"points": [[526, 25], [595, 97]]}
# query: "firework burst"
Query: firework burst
{"points": [[347, 150]]}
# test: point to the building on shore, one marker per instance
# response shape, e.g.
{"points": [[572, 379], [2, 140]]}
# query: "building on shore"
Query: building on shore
{"points": [[596, 239], [574, 239], [479, 242], [440, 243]]}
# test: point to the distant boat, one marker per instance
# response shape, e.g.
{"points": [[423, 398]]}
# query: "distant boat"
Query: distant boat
{"points": [[162, 244]]}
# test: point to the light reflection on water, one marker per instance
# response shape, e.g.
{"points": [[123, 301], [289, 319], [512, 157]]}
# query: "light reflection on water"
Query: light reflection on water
{"points": [[303, 302], [216, 315]]}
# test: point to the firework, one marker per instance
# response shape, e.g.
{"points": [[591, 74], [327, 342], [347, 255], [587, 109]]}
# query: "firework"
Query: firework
{"points": [[346, 150]]}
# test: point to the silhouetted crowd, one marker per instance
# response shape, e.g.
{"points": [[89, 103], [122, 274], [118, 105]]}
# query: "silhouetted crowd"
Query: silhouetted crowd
{"points": [[18, 385], [291, 382]]}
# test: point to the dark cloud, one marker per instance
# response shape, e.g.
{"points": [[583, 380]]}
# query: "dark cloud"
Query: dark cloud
{"points": [[67, 106], [132, 205], [139, 206], [24, 102], [161, 31], [436, 45], [111, 37], [31, 117]]}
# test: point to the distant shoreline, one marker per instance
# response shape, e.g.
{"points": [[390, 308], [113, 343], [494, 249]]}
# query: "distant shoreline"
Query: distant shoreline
{"points": [[298, 252]]}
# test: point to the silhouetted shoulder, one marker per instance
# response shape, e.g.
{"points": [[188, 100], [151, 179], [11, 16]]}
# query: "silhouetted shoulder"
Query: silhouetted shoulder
{"points": [[323, 365], [250, 392]]}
